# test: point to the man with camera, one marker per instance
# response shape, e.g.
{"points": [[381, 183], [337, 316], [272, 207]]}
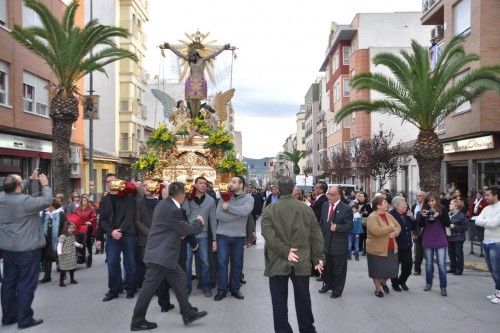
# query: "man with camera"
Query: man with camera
{"points": [[21, 241]]}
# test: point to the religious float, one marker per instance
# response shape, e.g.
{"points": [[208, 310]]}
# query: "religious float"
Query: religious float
{"points": [[195, 142]]}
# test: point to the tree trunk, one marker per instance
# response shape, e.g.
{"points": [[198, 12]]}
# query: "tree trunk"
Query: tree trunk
{"points": [[296, 169], [428, 151], [64, 112]]}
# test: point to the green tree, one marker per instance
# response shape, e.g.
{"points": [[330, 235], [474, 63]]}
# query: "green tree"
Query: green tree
{"points": [[294, 156], [423, 96], [66, 48]]}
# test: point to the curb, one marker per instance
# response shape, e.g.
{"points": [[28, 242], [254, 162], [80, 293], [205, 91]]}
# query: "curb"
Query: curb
{"points": [[477, 266]]}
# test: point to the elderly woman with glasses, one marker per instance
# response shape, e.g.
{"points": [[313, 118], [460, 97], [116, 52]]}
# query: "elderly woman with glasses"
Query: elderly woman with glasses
{"points": [[74, 204]]}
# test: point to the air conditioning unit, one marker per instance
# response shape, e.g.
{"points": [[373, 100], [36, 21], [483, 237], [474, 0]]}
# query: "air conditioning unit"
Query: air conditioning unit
{"points": [[437, 32], [75, 155]]}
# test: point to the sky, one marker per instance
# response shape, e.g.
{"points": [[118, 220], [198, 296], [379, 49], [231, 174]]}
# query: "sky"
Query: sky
{"points": [[281, 45]]}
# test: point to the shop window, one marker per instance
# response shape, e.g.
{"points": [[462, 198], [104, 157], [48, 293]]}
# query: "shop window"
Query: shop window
{"points": [[3, 13], [35, 94], [4, 83], [461, 17]]}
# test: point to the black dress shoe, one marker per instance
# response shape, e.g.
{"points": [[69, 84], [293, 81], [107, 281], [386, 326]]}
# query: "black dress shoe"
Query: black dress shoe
{"points": [[237, 295], [404, 286], [386, 288], [34, 322], [396, 288], [457, 273], [130, 294], [109, 297], [320, 279], [324, 290], [416, 273], [450, 271], [143, 326], [88, 263], [167, 308], [7, 323], [194, 316], [335, 295], [219, 296], [45, 279], [379, 293]]}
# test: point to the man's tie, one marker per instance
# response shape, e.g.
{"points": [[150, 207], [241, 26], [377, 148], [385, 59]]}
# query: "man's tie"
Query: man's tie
{"points": [[330, 213]]}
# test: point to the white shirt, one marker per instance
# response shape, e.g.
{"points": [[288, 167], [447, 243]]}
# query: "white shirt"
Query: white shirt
{"points": [[176, 203], [489, 219], [418, 207]]}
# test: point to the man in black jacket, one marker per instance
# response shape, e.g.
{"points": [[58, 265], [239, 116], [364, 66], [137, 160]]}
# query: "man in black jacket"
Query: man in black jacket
{"points": [[336, 223], [116, 219], [320, 198], [170, 225]]}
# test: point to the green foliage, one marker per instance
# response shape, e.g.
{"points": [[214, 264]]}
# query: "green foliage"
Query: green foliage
{"points": [[203, 127], [147, 162], [162, 138], [66, 48], [219, 140], [419, 94], [232, 165], [295, 156]]}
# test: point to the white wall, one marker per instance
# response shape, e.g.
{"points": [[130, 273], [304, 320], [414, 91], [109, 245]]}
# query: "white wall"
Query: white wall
{"points": [[106, 129]]}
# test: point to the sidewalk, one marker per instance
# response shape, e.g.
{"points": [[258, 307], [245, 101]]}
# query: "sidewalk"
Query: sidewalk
{"points": [[473, 261]]}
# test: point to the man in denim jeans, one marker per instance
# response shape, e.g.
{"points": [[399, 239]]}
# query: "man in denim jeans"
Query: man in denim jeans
{"points": [[21, 241], [116, 219], [489, 219], [200, 204], [231, 235]]}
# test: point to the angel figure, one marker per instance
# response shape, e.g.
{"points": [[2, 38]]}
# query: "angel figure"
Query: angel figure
{"points": [[180, 118], [216, 114], [196, 86]]}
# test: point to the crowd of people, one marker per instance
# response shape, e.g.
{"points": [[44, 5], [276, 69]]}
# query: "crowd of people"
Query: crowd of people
{"points": [[152, 232]]}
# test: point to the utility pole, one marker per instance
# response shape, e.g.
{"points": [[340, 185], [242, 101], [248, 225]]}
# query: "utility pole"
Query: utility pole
{"points": [[91, 127]]}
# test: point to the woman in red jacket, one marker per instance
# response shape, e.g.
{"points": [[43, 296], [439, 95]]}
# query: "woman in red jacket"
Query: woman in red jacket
{"points": [[86, 228]]}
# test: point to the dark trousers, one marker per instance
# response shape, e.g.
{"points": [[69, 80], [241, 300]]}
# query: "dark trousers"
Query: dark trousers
{"points": [[155, 274], [163, 294], [456, 254], [278, 286], [212, 262], [230, 249], [114, 248], [21, 270], [140, 268], [335, 273], [405, 261], [419, 255]]}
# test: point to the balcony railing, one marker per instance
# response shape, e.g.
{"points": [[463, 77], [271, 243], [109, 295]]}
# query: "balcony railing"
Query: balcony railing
{"points": [[428, 4], [435, 53]]}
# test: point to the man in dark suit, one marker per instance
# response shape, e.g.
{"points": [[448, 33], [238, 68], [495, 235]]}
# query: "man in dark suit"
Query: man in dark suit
{"points": [[320, 198], [170, 225], [336, 223]]}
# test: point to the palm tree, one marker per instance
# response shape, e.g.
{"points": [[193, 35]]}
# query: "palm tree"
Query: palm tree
{"points": [[66, 48], [295, 156], [423, 96]]}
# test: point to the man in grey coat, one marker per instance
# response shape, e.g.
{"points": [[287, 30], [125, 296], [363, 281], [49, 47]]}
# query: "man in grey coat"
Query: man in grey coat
{"points": [[231, 236], [21, 240], [170, 225]]}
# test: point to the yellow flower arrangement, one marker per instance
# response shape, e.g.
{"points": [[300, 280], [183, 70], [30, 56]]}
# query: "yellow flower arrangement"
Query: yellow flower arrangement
{"points": [[162, 137], [146, 162], [219, 140], [232, 165]]}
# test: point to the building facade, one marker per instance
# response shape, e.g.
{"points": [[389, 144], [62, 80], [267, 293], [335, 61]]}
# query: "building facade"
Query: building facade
{"points": [[312, 113], [300, 139], [350, 51], [120, 132], [25, 101], [471, 134]]}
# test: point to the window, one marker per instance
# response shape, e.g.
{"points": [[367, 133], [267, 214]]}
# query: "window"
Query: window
{"points": [[4, 83], [3, 13], [335, 62], [347, 87], [461, 17], [346, 55], [465, 106], [336, 91], [124, 141], [35, 94], [30, 18]]}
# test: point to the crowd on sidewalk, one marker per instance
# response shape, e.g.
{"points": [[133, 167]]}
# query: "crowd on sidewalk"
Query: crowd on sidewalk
{"points": [[152, 232]]}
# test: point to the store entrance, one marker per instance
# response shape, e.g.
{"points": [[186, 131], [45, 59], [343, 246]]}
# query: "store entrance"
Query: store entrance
{"points": [[458, 174]]}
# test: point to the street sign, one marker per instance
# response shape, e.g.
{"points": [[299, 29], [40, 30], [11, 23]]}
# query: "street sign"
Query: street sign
{"points": [[303, 180], [91, 107]]}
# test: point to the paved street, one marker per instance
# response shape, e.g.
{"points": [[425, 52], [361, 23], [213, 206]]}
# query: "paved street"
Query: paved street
{"points": [[80, 309]]}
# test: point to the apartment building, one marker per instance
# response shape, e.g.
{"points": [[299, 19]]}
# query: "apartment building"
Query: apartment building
{"points": [[350, 51], [120, 132], [470, 135], [300, 139], [312, 112], [25, 125]]}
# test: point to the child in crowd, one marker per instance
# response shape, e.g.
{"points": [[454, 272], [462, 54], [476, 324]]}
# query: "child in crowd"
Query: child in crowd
{"points": [[357, 228], [66, 251]]}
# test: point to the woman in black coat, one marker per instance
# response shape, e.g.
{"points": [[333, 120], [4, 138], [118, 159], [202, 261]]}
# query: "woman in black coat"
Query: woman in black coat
{"points": [[456, 237], [53, 219]]}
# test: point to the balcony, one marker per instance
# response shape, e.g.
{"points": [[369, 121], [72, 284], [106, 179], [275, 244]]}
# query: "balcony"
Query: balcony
{"points": [[435, 53], [432, 12]]}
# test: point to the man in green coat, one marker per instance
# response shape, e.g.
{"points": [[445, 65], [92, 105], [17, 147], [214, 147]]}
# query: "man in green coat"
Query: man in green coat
{"points": [[293, 242]]}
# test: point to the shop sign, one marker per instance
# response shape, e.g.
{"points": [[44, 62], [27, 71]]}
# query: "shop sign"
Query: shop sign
{"points": [[480, 143], [24, 143]]}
